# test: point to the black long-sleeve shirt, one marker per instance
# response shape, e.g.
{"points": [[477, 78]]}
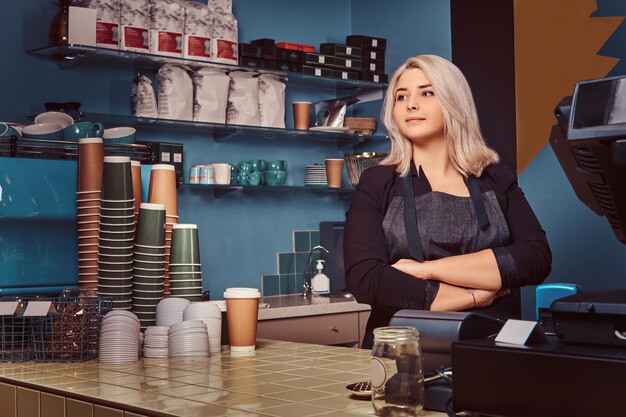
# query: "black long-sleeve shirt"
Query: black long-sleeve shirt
{"points": [[369, 274]]}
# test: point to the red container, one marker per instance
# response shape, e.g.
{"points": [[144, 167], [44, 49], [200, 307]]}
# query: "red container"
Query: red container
{"points": [[296, 46]]}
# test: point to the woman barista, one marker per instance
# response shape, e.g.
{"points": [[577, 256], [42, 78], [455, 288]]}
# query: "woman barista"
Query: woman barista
{"points": [[440, 225]]}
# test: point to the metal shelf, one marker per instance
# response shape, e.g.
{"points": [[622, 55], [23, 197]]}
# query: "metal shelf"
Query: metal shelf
{"points": [[220, 190], [72, 55]]}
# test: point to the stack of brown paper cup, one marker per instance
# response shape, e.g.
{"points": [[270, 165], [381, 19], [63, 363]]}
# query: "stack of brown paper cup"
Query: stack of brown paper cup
{"points": [[116, 232], [334, 170], [90, 157], [136, 173], [162, 190]]}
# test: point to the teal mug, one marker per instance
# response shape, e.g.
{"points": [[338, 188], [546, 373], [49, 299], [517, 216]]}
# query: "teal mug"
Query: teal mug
{"points": [[8, 130], [277, 165], [82, 130], [119, 135], [275, 178], [255, 178]]}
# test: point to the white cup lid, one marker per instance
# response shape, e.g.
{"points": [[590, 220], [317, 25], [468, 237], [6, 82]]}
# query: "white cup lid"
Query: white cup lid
{"points": [[184, 226], [89, 140], [152, 206], [242, 293], [135, 163], [163, 166], [116, 159]]}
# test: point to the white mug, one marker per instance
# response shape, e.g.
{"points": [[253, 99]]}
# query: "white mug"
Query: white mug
{"points": [[222, 173]]}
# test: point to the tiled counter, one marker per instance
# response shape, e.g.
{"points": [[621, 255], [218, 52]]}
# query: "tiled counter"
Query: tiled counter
{"points": [[281, 379]]}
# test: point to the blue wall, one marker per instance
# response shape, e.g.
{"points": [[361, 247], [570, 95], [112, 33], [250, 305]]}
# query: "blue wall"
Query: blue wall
{"points": [[240, 232]]}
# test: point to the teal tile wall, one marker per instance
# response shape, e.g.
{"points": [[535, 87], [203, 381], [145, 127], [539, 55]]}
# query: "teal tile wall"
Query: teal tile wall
{"points": [[291, 267]]}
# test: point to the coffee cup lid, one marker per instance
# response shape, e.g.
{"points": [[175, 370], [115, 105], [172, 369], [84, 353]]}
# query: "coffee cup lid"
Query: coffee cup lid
{"points": [[152, 206], [242, 293], [135, 163], [184, 226], [117, 159], [163, 166], [89, 140]]}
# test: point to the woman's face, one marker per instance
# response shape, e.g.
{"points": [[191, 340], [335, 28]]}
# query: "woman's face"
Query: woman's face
{"points": [[416, 110]]}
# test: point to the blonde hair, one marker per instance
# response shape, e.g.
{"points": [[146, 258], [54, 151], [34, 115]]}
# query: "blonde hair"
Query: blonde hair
{"points": [[466, 146]]}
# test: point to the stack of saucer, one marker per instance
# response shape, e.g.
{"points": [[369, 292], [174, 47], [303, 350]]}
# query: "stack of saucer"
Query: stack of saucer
{"points": [[185, 267], [170, 311], [116, 232], [119, 338], [148, 262], [188, 339], [210, 313], [162, 190], [315, 176], [155, 342], [90, 157]]}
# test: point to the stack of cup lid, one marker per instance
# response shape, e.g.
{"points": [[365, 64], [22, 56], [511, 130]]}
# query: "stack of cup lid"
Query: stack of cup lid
{"points": [[155, 342], [209, 312], [188, 339], [170, 311], [90, 159], [136, 174], [119, 338], [315, 176], [148, 262], [116, 232], [162, 190], [185, 267]]}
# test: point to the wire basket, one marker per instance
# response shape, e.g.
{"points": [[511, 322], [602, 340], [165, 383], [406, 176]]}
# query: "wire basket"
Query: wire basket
{"points": [[70, 332], [356, 163], [15, 340]]}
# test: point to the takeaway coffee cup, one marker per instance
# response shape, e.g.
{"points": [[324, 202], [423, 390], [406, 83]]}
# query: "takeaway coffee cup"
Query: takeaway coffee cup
{"points": [[334, 169], [242, 311], [301, 114]]}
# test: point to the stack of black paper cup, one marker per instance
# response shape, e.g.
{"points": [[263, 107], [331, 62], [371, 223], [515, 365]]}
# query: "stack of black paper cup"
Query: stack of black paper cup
{"points": [[185, 267]]}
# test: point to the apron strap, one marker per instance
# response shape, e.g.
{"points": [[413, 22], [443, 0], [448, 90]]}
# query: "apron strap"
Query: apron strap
{"points": [[477, 200], [410, 219]]}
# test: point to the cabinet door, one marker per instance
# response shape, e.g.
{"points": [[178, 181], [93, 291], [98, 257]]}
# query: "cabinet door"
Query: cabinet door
{"points": [[328, 329]]}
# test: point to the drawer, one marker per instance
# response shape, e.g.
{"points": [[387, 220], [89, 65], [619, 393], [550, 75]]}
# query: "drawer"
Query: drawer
{"points": [[328, 329]]}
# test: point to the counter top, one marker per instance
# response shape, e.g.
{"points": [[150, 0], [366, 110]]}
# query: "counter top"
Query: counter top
{"points": [[280, 379], [286, 306]]}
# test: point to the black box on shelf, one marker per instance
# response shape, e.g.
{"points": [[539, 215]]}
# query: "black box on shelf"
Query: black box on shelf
{"points": [[288, 55], [167, 153], [286, 66], [255, 62], [338, 49], [263, 42], [370, 42], [334, 61], [253, 51], [373, 66], [373, 55], [328, 72], [373, 77]]}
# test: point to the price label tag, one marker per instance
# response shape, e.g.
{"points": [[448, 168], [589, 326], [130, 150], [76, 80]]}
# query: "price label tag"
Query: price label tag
{"points": [[349, 63], [178, 157], [348, 50], [318, 71], [374, 43], [37, 308], [344, 75], [165, 157], [7, 308]]}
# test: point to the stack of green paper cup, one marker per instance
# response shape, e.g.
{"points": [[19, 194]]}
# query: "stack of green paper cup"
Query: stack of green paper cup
{"points": [[116, 232], [148, 262], [185, 268]]}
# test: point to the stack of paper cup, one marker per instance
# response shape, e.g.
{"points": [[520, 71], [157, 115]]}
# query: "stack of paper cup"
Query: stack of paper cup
{"points": [[119, 338], [148, 262], [116, 232], [188, 339], [162, 190], [90, 157], [170, 311], [185, 267], [210, 313], [155, 343]]}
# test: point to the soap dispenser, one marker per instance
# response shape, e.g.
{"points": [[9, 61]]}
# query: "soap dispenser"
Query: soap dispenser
{"points": [[320, 284]]}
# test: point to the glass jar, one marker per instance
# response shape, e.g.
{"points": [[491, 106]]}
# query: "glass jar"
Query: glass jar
{"points": [[397, 373]]}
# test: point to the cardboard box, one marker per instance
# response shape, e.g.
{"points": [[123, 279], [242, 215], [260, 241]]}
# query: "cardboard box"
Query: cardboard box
{"points": [[255, 62], [288, 55], [338, 49], [286, 66], [254, 51], [296, 46], [328, 72], [363, 41], [373, 66], [333, 61], [372, 77], [373, 55], [263, 42]]}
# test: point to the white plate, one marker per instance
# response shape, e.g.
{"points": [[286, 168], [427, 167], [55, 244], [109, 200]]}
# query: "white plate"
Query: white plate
{"points": [[330, 129]]}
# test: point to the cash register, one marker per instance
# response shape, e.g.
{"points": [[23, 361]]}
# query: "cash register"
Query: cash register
{"points": [[581, 370]]}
